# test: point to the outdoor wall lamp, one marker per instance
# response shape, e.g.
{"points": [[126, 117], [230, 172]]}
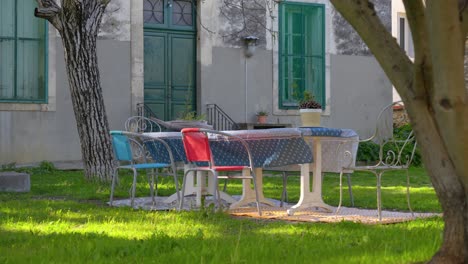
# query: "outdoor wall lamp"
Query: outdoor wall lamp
{"points": [[250, 44]]}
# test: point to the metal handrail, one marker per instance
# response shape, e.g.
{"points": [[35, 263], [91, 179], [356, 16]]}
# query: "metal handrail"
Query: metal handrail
{"points": [[219, 119], [145, 111]]}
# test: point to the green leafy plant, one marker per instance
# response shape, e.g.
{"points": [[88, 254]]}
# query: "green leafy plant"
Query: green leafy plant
{"points": [[262, 113], [308, 101], [192, 116], [7, 167]]}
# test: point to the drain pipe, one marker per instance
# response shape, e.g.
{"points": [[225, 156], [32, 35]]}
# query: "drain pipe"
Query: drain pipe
{"points": [[250, 44], [246, 88]]}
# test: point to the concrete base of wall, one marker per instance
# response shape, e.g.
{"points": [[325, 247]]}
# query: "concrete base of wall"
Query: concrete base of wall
{"points": [[14, 182]]}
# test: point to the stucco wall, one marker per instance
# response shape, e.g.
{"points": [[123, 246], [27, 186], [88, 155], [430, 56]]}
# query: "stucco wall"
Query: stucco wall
{"points": [[33, 136], [358, 89], [241, 86]]}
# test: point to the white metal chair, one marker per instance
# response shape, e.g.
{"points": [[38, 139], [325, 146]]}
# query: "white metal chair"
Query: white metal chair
{"points": [[131, 151], [141, 124], [197, 149], [395, 154]]}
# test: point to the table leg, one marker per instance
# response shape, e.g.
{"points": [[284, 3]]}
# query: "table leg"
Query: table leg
{"points": [[248, 193], [307, 198]]}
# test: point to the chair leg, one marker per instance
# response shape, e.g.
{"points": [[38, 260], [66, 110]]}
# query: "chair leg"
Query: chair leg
{"points": [[379, 195], [156, 180], [150, 175], [408, 192], [132, 203], [181, 203], [341, 193], [216, 196], [284, 194], [114, 176], [225, 185], [350, 190], [176, 182]]}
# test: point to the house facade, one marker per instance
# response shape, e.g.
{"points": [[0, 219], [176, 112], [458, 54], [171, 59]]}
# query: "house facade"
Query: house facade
{"points": [[182, 55], [402, 33]]}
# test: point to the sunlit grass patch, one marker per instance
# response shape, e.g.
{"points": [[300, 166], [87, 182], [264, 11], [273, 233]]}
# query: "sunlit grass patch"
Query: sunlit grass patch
{"points": [[65, 219]]}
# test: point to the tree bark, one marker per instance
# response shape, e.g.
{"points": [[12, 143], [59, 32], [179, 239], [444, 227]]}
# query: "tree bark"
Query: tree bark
{"points": [[78, 23], [435, 96]]}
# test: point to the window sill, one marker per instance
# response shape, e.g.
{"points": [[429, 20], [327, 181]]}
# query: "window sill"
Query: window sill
{"points": [[26, 107]]}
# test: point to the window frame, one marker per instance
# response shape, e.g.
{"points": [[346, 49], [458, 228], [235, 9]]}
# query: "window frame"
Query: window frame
{"points": [[408, 38], [281, 46], [45, 43], [167, 16]]}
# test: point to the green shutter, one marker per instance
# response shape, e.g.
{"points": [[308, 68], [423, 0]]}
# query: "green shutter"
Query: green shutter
{"points": [[22, 49], [301, 53], [7, 49]]}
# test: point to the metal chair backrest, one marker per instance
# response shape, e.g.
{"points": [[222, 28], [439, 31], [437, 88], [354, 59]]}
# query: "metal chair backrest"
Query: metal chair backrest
{"points": [[196, 145], [141, 124], [121, 145], [393, 151]]}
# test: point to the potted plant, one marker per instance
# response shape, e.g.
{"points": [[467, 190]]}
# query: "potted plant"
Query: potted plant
{"points": [[262, 116], [310, 110]]}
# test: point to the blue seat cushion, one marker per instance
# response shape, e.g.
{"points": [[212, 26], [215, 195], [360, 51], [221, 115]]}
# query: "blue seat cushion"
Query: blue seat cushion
{"points": [[146, 166]]}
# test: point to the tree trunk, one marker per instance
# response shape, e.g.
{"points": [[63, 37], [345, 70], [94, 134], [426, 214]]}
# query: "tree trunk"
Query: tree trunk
{"points": [[433, 90], [88, 103], [446, 183], [78, 23]]}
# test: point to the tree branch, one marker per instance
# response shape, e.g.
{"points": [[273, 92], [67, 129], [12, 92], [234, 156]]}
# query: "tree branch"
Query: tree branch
{"points": [[398, 67], [415, 12], [49, 10]]}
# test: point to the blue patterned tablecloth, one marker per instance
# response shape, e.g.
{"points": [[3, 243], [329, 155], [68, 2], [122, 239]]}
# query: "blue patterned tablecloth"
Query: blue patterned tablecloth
{"points": [[327, 132], [269, 147]]}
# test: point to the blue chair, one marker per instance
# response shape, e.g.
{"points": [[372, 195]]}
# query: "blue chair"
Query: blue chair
{"points": [[131, 151]]}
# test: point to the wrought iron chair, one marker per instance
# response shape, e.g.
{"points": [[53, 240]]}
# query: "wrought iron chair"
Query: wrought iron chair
{"points": [[131, 151], [395, 154], [141, 124], [197, 149]]}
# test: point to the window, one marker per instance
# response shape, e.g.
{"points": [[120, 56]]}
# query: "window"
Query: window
{"points": [[405, 40], [174, 14], [301, 53], [22, 53]]}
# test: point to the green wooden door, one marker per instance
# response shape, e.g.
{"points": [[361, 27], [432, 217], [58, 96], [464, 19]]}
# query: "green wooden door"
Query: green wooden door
{"points": [[169, 73], [169, 62]]}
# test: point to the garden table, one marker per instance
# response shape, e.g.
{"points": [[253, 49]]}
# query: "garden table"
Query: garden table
{"points": [[270, 148], [336, 143]]}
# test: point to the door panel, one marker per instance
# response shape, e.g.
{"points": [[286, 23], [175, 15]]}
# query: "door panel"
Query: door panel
{"points": [[169, 73], [182, 74], [155, 73], [155, 58]]}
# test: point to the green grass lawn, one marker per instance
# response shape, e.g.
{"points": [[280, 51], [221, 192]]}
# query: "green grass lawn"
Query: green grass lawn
{"points": [[65, 219]]}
